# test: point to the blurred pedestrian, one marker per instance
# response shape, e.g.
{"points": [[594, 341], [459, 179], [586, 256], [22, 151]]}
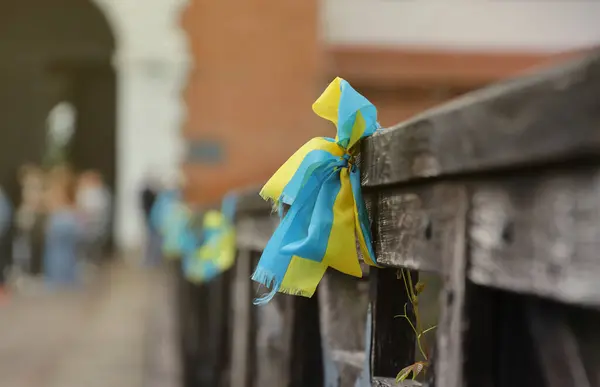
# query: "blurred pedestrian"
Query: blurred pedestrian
{"points": [[63, 235], [30, 221], [94, 204], [148, 195], [5, 225]]}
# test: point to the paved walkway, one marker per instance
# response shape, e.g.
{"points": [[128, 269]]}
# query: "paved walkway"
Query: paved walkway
{"points": [[117, 333]]}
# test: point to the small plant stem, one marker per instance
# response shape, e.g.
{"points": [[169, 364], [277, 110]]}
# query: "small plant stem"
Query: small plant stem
{"points": [[421, 349], [405, 315], [410, 290], [427, 330]]}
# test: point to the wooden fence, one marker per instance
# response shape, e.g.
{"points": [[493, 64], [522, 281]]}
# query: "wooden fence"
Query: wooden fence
{"points": [[490, 207]]}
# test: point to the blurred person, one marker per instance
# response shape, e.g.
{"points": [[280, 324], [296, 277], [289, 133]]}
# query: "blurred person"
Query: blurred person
{"points": [[5, 225], [29, 221], [148, 195], [63, 235], [93, 201]]}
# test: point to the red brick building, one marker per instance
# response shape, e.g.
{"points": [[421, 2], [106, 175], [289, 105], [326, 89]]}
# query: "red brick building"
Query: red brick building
{"points": [[259, 65]]}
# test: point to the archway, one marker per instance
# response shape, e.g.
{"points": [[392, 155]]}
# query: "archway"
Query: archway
{"points": [[55, 51], [114, 47]]}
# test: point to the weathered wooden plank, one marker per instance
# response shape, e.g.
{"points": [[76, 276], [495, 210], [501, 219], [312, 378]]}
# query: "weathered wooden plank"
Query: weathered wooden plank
{"points": [[185, 322], [241, 316], [418, 228], [452, 324], [344, 303], [538, 233], [276, 355], [273, 341], [213, 330], [544, 116], [534, 232]]}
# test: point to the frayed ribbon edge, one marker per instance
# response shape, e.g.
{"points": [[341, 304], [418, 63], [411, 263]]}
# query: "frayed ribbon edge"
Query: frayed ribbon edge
{"points": [[267, 279]]}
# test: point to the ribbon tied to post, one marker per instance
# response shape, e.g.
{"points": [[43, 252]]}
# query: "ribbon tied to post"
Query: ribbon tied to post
{"points": [[216, 251], [327, 215]]}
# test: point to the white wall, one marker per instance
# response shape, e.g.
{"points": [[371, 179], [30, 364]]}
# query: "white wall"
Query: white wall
{"points": [[539, 25], [152, 62]]}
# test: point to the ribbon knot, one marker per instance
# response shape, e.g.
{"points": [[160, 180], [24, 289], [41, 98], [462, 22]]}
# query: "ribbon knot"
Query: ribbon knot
{"points": [[350, 161], [327, 215]]}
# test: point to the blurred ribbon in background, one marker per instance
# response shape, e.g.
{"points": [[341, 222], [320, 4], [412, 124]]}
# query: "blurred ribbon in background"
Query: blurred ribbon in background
{"points": [[205, 251], [172, 218], [216, 252]]}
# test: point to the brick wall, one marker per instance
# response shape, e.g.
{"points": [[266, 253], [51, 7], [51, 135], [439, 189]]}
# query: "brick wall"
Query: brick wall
{"points": [[259, 65], [255, 78]]}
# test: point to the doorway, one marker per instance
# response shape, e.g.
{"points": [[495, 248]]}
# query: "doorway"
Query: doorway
{"points": [[55, 51]]}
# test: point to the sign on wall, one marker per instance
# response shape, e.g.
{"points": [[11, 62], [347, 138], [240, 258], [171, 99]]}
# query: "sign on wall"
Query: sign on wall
{"points": [[205, 151]]}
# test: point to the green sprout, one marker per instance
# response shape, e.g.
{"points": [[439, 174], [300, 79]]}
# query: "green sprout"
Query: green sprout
{"points": [[413, 293]]}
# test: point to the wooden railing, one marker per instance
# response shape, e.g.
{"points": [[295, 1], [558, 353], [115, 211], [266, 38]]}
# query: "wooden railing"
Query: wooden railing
{"points": [[204, 327], [491, 204], [497, 193]]}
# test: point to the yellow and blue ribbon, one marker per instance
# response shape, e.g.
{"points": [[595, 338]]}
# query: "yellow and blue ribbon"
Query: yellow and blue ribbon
{"points": [[172, 218], [327, 214], [216, 252]]}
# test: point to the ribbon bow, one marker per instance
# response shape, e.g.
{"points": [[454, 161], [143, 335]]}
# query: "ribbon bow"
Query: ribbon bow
{"points": [[327, 215], [216, 252]]}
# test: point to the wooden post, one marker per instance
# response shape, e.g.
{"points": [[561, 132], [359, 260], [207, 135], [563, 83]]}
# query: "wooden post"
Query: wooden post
{"points": [[343, 311], [241, 320]]}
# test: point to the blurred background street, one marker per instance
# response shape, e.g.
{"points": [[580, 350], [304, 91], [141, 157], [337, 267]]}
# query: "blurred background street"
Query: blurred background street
{"points": [[118, 332]]}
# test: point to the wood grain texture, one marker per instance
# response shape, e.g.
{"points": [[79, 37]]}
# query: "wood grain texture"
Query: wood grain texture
{"points": [[544, 116], [452, 324], [272, 334], [344, 303], [418, 227], [538, 233], [274, 330]]}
